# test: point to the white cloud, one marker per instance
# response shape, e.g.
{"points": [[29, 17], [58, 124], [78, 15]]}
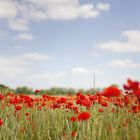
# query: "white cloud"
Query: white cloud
{"points": [[98, 72], [59, 10], [34, 57], [48, 79], [103, 6], [131, 45], [8, 9], [133, 36], [12, 67], [28, 10], [80, 71], [85, 71], [24, 36], [48, 76], [61, 74], [18, 24], [44, 76], [127, 63], [63, 78], [17, 65]]}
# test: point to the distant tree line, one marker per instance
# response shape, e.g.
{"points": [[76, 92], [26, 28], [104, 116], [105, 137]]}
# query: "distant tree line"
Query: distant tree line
{"points": [[51, 91]]}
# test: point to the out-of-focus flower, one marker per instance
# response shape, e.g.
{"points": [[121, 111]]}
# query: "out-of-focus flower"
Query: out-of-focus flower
{"points": [[27, 114], [1, 122], [103, 103], [112, 91], [73, 133], [17, 108], [131, 85], [101, 110], [37, 90], [1, 96], [84, 116], [73, 119]]}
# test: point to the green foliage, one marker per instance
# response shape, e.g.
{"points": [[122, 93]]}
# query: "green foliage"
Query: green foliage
{"points": [[51, 91], [23, 90], [4, 89], [3, 86]]}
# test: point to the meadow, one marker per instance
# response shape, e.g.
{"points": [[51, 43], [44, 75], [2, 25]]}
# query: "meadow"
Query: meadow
{"points": [[112, 114]]}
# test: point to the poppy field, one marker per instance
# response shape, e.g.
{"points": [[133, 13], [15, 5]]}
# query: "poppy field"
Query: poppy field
{"points": [[112, 114]]}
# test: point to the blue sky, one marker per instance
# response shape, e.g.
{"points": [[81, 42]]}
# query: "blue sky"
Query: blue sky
{"points": [[61, 43]]}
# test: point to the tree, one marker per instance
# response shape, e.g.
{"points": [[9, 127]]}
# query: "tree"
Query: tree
{"points": [[24, 90]]}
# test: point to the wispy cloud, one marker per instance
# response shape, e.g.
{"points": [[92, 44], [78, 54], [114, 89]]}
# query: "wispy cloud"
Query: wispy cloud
{"points": [[16, 65], [132, 45], [47, 76], [47, 10], [12, 67], [103, 6], [80, 71], [24, 36], [8, 9], [18, 24], [127, 63], [62, 9], [34, 57], [84, 71]]}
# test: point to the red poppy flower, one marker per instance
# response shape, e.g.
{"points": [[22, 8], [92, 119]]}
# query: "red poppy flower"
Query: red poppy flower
{"points": [[131, 85], [84, 116], [73, 133], [75, 109], [126, 87], [101, 110], [1, 96], [93, 97], [63, 100], [27, 114], [137, 93], [1, 122], [135, 109], [73, 119], [39, 107], [105, 104], [17, 108], [111, 91], [70, 104], [37, 90]]}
